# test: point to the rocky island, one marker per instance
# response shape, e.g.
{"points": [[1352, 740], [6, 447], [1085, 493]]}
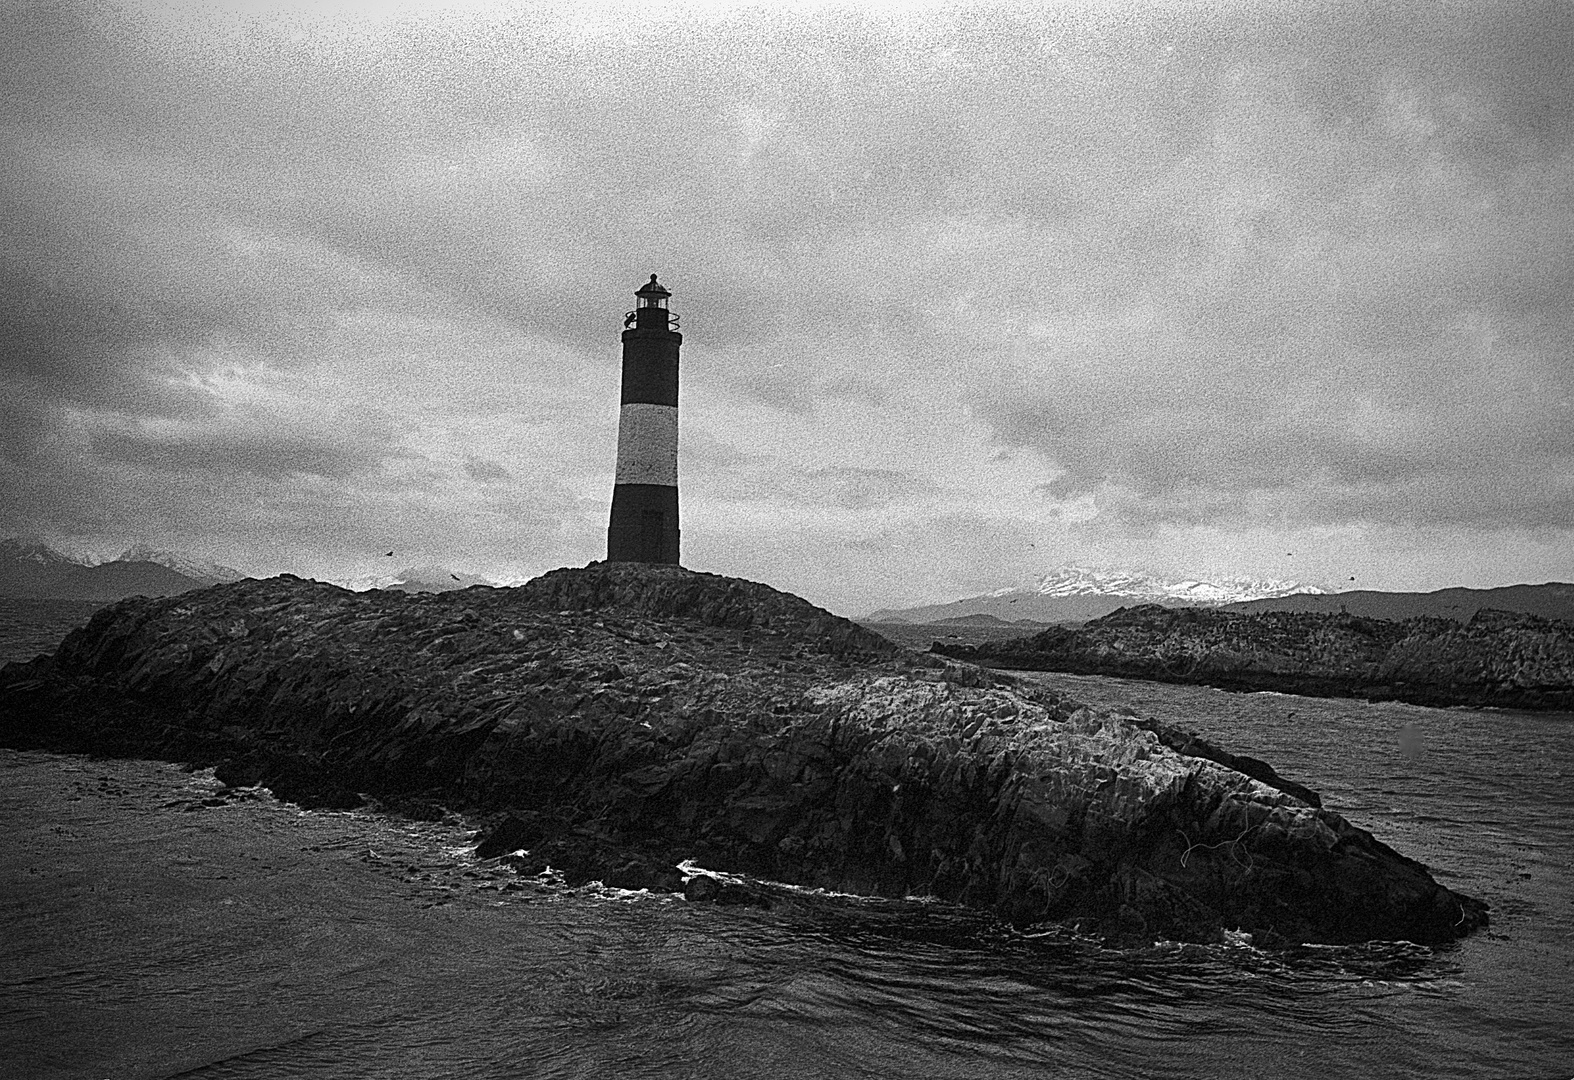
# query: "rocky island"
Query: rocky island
{"points": [[613, 720], [1495, 659]]}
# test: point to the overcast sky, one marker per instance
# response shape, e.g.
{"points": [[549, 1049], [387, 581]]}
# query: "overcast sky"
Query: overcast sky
{"points": [[967, 291]]}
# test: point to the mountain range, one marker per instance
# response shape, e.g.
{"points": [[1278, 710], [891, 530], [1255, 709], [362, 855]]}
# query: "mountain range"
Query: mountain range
{"points": [[33, 569], [1072, 594], [1069, 594], [1080, 593]]}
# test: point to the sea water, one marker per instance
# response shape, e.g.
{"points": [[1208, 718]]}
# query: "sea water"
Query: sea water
{"points": [[151, 929]]}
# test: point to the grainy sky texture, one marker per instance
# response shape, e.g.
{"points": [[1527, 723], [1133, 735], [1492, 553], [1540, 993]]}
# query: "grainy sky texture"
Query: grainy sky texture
{"points": [[968, 290]]}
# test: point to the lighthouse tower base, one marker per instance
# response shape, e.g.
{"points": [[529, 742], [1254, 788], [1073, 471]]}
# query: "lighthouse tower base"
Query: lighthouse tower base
{"points": [[644, 525]]}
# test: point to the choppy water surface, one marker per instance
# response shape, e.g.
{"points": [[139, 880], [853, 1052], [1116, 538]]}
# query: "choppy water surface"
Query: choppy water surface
{"points": [[148, 935]]}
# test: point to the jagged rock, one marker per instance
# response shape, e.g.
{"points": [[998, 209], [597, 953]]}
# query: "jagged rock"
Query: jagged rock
{"points": [[636, 874], [511, 834], [631, 716], [706, 889], [417, 808], [1186, 742], [1498, 658]]}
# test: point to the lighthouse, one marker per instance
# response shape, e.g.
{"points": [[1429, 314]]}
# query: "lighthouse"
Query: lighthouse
{"points": [[644, 525]]}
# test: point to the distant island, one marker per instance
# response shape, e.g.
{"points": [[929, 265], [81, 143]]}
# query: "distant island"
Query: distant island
{"points": [[613, 720], [1499, 659], [1552, 600], [985, 620]]}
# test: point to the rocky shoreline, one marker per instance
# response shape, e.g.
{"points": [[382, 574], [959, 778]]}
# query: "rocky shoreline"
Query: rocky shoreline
{"points": [[615, 720], [1498, 659]]}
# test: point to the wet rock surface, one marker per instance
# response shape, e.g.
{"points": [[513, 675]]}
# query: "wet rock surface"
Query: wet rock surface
{"points": [[1496, 659], [612, 721]]}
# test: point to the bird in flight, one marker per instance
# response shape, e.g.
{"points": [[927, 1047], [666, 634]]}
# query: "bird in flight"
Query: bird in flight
{"points": [[454, 576], [387, 554]]}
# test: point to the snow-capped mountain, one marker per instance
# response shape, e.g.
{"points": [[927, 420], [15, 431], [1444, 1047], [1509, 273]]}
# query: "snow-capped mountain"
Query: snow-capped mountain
{"points": [[34, 552], [182, 564], [414, 579], [363, 582], [1079, 593], [433, 579], [31, 568], [1148, 589]]}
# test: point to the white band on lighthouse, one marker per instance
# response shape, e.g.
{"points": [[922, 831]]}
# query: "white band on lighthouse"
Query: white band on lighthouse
{"points": [[648, 444]]}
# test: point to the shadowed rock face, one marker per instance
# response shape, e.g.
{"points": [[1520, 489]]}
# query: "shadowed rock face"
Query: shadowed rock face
{"points": [[628, 716], [1497, 658]]}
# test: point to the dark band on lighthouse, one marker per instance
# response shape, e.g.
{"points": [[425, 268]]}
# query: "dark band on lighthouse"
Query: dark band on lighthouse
{"points": [[644, 525]]}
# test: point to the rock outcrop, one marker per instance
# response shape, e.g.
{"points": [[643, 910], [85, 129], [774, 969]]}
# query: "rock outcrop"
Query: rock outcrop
{"points": [[1497, 658], [618, 718]]}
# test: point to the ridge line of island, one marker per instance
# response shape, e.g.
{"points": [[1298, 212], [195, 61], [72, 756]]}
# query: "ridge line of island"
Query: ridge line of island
{"points": [[1494, 659]]}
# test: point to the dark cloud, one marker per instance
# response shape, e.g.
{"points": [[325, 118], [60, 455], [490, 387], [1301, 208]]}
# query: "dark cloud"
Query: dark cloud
{"points": [[270, 455], [485, 470], [854, 488], [1345, 314]]}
